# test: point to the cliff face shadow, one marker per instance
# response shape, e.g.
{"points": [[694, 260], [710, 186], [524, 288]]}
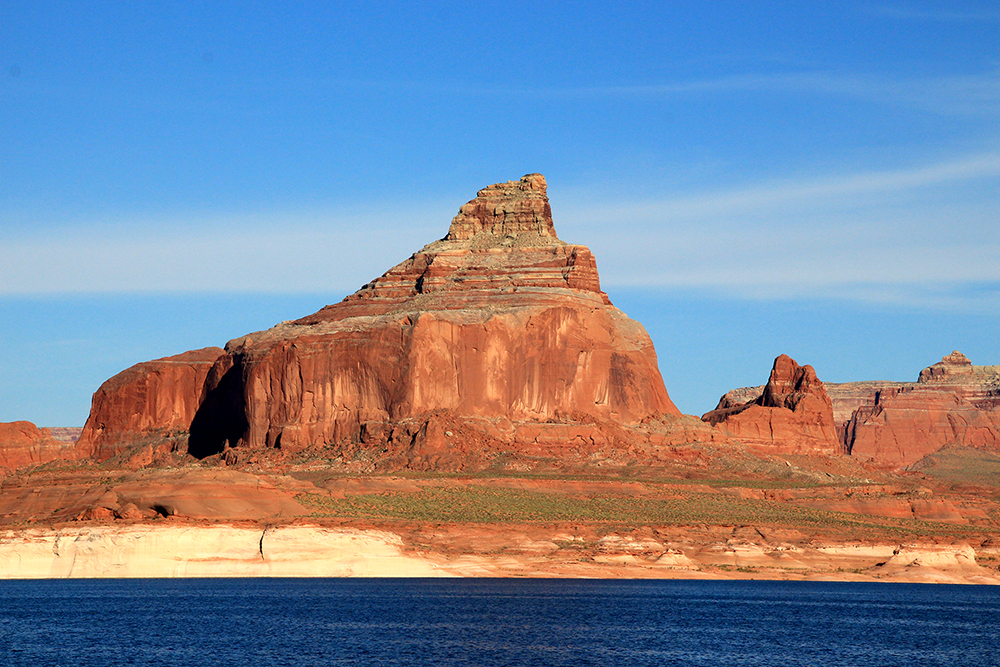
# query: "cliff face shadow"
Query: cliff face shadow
{"points": [[221, 418]]}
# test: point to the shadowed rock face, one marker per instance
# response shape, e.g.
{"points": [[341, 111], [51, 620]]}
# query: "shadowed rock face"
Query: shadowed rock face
{"points": [[499, 322], [149, 398], [793, 414]]}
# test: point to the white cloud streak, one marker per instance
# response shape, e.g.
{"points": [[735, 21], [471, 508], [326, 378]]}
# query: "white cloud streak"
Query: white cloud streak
{"points": [[816, 191], [960, 94], [897, 236], [280, 253], [980, 16], [900, 236], [953, 95]]}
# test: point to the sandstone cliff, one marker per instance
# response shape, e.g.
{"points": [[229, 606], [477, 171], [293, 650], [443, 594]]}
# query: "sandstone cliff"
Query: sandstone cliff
{"points": [[148, 399], [792, 415], [499, 333], [895, 424], [24, 444], [953, 403], [499, 322]]}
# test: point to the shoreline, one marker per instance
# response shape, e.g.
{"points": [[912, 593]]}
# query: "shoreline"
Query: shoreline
{"points": [[193, 550]]}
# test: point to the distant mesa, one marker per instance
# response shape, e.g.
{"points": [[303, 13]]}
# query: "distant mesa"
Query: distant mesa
{"points": [[499, 332], [954, 366], [952, 404], [893, 425], [24, 444]]}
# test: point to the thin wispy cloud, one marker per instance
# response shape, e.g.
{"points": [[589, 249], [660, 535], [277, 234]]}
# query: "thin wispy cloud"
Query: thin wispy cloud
{"points": [[778, 238], [956, 94], [280, 253], [816, 191], [893, 236], [974, 94], [950, 15]]}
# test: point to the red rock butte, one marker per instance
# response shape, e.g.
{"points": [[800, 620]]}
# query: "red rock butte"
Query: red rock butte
{"points": [[793, 414], [24, 444], [499, 324], [952, 404], [888, 425]]}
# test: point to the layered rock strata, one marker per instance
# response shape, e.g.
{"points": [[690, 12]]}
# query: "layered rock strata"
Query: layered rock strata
{"points": [[499, 325], [745, 552], [902, 426], [207, 551], [952, 404], [792, 415]]}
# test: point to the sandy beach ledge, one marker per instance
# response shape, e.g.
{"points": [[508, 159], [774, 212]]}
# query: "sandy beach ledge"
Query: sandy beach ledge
{"points": [[142, 550]]}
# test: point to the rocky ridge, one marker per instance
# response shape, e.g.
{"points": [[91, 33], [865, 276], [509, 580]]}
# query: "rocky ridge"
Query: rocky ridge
{"points": [[896, 424]]}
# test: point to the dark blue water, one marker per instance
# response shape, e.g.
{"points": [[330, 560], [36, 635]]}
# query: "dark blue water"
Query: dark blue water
{"points": [[494, 622]]}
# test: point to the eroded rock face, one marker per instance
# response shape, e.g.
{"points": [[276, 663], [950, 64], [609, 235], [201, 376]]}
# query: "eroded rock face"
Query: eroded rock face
{"points": [[904, 425], [24, 444], [500, 320], [793, 414], [895, 424], [980, 385], [512, 209], [149, 398], [500, 324], [952, 366]]}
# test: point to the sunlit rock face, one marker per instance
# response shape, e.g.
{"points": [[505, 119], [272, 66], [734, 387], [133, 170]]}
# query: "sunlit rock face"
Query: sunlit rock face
{"points": [[24, 444], [500, 324], [952, 404], [894, 425], [146, 400], [500, 320], [792, 415]]}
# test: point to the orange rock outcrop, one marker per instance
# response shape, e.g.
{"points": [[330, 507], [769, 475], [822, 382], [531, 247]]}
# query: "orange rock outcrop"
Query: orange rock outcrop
{"points": [[953, 403], [24, 444], [895, 424], [793, 414], [150, 398], [500, 325], [499, 321]]}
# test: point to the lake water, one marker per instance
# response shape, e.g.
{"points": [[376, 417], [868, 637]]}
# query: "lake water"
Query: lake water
{"points": [[278, 622]]}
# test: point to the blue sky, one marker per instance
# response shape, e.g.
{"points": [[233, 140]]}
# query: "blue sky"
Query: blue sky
{"points": [[754, 178]]}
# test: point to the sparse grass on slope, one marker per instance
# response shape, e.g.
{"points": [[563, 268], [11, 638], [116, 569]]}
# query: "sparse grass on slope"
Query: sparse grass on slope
{"points": [[960, 465], [479, 504]]}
